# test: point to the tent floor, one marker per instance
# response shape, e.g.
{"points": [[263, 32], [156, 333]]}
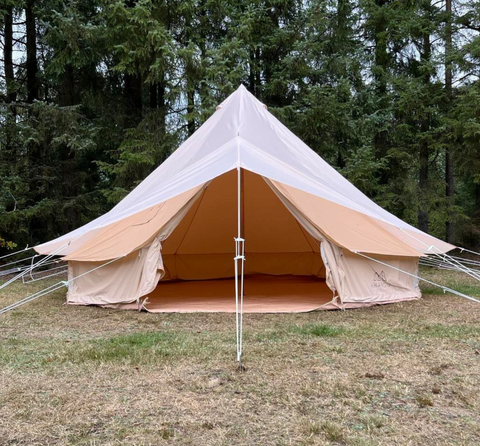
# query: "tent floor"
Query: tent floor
{"points": [[263, 294]]}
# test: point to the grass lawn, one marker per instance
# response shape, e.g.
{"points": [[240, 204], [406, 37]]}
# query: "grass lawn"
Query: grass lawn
{"points": [[390, 375]]}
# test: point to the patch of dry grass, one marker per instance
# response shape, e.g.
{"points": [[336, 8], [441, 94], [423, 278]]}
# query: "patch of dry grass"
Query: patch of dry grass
{"points": [[397, 374]]}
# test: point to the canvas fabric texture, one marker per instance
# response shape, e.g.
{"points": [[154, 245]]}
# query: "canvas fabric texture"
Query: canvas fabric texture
{"points": [[299, 217], [123, 281]]}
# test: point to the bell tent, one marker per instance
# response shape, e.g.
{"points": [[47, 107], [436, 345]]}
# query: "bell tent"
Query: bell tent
{"points": [[243, 208]]}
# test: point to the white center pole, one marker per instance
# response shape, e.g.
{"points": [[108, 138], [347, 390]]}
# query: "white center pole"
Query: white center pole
{"points": [[239, 271]]}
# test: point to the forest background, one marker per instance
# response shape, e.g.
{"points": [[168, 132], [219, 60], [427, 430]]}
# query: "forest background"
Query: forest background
{"points": [[95, 94]]}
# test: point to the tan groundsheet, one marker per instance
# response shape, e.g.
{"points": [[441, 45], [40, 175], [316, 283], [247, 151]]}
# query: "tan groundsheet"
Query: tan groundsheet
{"points": [[263, 294]]}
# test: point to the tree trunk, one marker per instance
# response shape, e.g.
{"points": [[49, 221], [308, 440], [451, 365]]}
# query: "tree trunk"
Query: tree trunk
{"points": [[11, 95], [153, 96], [202, 90], [133, 96], [7, 55], [32, 65], [423, 185], [424, 149], [133, 90], [162, 106], [380, 138], [251, 72], [67, 88], [258, 80], [477, 200], [341, 33], [449, 165], [190, 108]]}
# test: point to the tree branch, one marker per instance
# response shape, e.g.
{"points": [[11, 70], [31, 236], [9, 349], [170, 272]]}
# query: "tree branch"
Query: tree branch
{"points": [[13, 63], [16, 104]]}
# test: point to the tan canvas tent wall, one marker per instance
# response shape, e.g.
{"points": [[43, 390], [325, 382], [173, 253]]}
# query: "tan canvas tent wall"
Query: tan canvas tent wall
{"points": [[244, 175]]}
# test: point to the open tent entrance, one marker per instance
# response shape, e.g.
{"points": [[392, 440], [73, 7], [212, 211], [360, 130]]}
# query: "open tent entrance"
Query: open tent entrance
{"points": [[283, 268]]}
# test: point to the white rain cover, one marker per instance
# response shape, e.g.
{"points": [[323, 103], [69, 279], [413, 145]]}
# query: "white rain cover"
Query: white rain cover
{"points": [[240, 133]]}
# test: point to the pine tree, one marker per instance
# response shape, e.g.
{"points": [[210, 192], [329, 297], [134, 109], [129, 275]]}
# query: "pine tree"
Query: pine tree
{"points": [[95, 94]]}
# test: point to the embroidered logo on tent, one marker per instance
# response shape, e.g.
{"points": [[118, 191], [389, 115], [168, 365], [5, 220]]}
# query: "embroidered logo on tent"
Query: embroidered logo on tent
{"points": [[380, 280]]}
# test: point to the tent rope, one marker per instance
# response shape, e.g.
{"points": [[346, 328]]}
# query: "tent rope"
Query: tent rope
{"points": [[32, 267], [445, 257], [52, 288], [468, 250], [467, 261], [48, 257], [464, 261], [239, 257], [442, 266], [18, 261], [63, 269], [45, 264], [444, 288], [18, 269], [22, 267], [16, 252], [41, 262], [32, 297], [436, 263], [456, 264]]}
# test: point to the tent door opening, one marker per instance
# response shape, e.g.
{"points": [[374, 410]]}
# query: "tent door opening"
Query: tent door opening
{"points": [[283, 270]]}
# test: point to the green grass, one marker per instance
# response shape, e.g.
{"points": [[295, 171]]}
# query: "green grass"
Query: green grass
{"points": [[142, 348], [136, 348], [150, 347], [439, 331], [469, 290], [319, 330], [133, 348], [396, 374], [284, 333], [457, 281], [331, 432]]}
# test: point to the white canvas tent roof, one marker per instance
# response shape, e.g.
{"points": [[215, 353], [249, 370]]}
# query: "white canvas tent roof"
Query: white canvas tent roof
{"points": [[243, 133]]}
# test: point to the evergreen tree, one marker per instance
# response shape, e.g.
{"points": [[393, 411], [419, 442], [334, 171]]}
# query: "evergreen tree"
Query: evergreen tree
{"points": [[95, 94]]}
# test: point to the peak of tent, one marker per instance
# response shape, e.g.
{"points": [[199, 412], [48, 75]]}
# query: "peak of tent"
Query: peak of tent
{"points": [[241, 93]]}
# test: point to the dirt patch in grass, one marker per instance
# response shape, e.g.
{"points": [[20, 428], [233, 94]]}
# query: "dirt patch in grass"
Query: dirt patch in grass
{"points": [[395, 374]]}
